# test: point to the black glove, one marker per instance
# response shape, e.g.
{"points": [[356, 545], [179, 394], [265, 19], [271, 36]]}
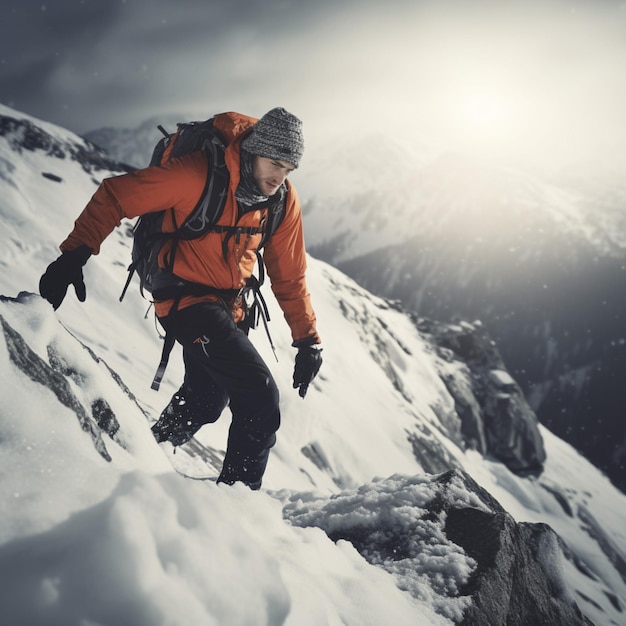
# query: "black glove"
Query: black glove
{"points": [[308, 363], [65, 271]]}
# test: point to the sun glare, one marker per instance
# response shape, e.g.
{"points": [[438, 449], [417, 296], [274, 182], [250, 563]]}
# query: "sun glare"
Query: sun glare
{"points": [[483, 111], [485, 122]]}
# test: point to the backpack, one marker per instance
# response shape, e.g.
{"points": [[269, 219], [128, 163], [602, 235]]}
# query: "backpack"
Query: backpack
{"points": [[148, 235]]}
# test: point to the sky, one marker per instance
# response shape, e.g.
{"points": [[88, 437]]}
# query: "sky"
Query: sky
{"points": [[534, 81]]}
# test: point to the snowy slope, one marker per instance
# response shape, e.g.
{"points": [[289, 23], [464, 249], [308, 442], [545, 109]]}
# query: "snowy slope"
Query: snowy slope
{"points": [[128, 539], [130, 542], [539, 261]]}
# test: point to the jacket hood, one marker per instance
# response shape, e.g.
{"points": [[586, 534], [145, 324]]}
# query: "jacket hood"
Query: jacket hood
{"points": [[232, 124]]}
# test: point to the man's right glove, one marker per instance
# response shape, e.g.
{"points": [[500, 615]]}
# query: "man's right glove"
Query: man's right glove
{"points": [[65, 271], [308, 363]]}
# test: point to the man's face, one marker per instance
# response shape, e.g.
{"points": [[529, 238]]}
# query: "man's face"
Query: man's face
{"points": [[269, 174]]}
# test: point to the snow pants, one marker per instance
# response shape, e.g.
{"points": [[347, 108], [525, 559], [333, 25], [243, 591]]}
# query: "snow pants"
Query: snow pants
{"points": [[221, 367]]}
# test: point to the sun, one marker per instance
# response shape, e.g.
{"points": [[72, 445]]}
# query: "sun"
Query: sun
{"points": [[485, 121], [483, 111]]}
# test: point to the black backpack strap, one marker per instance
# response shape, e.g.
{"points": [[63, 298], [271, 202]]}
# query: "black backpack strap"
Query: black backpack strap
{"points": [[176, 292], [131, 273], [168, 344], [258, 308], [232, 231], [211, 204]]}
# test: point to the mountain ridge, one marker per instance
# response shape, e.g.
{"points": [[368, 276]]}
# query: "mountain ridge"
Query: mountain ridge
{"points": [[399, 394]]}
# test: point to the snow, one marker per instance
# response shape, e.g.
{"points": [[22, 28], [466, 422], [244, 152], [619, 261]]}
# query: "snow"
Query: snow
{"points": [[501, 378], [394, 512], [132, 542], [153, 553], [86, 541]]}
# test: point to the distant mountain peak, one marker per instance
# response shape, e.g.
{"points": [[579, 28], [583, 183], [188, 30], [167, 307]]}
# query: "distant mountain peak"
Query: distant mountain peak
{"points": [[23, 132]]}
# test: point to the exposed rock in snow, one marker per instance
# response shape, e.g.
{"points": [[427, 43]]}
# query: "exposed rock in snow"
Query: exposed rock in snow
{"points": [[507, 573], [496, 419]]}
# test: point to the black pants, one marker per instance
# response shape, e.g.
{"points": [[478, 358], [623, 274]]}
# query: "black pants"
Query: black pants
{"points": [[222, 366]]}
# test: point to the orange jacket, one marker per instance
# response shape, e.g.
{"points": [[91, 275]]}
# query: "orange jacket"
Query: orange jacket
{"points": [[178, 184]]}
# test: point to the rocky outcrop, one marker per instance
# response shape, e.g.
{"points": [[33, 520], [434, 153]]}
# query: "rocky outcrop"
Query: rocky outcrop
{"points": [[22, 134], [516, 582], [518, 578], [496, 418], [56, 374], [444, 535]]}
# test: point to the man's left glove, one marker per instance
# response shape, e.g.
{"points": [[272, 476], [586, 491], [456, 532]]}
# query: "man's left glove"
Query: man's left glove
{"points": [[308, 363], [65, 271]]}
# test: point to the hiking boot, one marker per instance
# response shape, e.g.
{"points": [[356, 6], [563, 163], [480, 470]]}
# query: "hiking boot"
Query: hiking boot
{"points": [[176, 433], [229, 476], [176, 423]]}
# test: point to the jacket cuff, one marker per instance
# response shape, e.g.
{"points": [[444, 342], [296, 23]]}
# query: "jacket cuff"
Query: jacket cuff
{"points": [[307, 341], [82, 253]]}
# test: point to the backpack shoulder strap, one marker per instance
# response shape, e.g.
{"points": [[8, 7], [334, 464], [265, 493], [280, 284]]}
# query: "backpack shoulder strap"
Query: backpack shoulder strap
{"points": [[211, 204]]}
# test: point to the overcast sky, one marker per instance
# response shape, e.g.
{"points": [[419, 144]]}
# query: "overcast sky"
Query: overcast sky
{"points": [[540, 80]]}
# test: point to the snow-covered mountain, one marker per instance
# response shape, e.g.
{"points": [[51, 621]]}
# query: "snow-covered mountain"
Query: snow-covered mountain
{"points": [[539, 261], [134, 146], [414, 484]]}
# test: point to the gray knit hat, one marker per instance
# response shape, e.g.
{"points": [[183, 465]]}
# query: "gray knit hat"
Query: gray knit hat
{"points": [[277, 135]]}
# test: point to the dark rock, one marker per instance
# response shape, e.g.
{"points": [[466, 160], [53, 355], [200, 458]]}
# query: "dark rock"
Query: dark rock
{"points": [[514, 583], [496, 418], [22, 134], [33, 366], [518, 580], [104, 417], [560, 498], [607, 544], [407, 524], [430, 452]]}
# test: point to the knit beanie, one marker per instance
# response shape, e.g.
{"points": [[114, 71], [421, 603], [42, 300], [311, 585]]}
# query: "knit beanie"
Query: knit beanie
{"points": [[277, 135]]}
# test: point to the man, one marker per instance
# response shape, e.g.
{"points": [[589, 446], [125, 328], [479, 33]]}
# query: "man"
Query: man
{"points": [[221, 364]]}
